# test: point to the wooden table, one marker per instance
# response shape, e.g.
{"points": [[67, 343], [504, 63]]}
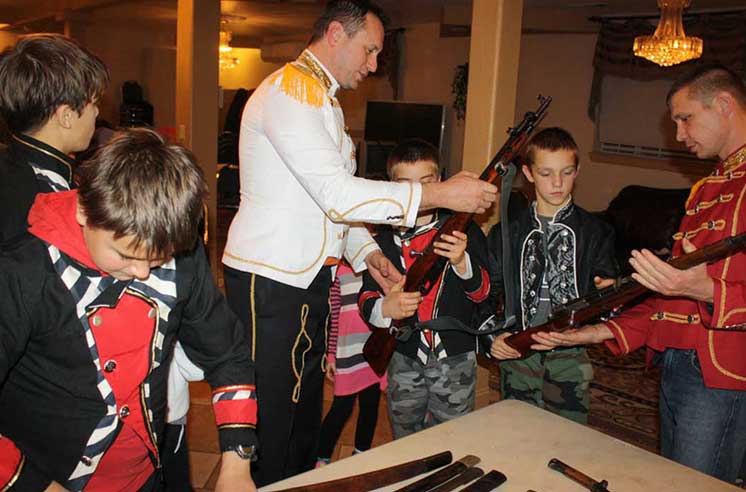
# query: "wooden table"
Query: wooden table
{"points": [[519, 439]]}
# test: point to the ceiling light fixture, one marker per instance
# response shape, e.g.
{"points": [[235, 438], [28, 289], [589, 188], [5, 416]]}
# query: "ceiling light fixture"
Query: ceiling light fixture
{"points": [[226, 60], [669, 45]]}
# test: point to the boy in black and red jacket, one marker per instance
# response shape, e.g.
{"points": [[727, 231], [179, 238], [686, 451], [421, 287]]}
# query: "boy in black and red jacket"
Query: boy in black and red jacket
{"points": [[92, 301], [49, 93], [432, 375]]}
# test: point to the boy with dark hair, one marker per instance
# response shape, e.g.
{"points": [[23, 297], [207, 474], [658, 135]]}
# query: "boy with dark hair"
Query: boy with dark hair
{"points": [[432, 376], [561, 252], [92, 300], [49, 88]]}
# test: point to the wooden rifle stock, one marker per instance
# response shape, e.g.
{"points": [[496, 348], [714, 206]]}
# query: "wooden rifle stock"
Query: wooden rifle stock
{"points": [[610, 299], [424, 272], [378, 478]]}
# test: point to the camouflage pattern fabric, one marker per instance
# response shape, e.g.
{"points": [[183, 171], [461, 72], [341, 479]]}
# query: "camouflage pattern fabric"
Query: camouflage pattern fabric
{"points": [[421, 396], [557, 381]]}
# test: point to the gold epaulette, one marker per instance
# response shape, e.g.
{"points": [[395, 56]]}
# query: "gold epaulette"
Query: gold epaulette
{"points": [[301, 86]]}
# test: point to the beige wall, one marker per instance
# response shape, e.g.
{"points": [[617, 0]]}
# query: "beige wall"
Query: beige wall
{"points": [[7, 39], [144, 53], [560, 65], [426, 69], [428, 65], [250, 71]]}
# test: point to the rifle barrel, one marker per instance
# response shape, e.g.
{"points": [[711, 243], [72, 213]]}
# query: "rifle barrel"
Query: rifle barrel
{"points": [[422, 275], [579, 311]]}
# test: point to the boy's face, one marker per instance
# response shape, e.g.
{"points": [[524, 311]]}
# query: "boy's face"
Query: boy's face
{"points": [[116, 256], [553, 175], [82, 127], [415, 172]]}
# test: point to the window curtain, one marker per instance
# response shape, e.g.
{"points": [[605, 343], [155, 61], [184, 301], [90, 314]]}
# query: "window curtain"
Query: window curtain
{"points": [[723, 36]]}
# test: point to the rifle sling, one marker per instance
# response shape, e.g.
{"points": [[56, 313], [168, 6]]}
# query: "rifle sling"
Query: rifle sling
{"points": [[448, 323], [506, 186]]}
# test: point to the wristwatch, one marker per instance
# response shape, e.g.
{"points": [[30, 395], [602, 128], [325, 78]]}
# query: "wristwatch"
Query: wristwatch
{"points": [[244, 452]]}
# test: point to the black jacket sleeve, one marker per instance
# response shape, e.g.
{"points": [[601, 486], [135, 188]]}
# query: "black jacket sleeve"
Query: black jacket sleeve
{"points": [[215, 340]]}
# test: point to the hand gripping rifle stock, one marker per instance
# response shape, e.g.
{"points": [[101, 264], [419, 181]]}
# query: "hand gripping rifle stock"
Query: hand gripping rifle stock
{"points": [[424, 272], [624, 291]]}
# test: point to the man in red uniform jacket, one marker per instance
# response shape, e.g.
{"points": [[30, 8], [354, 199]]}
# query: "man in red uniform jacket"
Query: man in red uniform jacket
{"points": [[693, 328]]}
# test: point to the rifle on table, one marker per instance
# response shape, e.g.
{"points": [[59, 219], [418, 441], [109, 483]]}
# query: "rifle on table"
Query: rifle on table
{"points": [[424, 272], [378, 478], [624, 291]]}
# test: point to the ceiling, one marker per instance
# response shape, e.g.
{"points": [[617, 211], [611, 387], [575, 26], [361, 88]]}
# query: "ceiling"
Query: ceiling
{"points": [[254, 22]]}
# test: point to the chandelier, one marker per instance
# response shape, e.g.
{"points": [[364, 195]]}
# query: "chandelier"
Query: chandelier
{"points": [[669, 45], [226, 60]]}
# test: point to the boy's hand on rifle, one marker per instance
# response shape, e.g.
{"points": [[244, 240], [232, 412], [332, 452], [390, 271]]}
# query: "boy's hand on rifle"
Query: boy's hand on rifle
{"points": [[398, 304], [602, 283], [659, 276], [585, 335], [501, 350], [453, 247], [382, 270]]}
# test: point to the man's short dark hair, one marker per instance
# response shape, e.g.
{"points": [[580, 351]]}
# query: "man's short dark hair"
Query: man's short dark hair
{"points": [[705, 81], [137, 185], [350, 13], [551, 139], [412, 150], [41, 73]]}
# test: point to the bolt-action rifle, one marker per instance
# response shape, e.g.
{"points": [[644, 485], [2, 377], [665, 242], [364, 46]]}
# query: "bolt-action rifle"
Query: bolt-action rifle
{"points": [[424, 272], [623, 292]]}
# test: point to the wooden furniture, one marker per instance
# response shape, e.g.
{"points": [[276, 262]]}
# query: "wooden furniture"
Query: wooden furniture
{"points": [[519, 440]]}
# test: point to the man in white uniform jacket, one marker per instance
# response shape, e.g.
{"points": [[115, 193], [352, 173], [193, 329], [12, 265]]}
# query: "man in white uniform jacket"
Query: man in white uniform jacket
{"points": [[298, 200]]}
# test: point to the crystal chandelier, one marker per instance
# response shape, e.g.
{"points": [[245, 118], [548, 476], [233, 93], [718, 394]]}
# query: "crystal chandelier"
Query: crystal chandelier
{"points": [[226, 60], [669, 45]]}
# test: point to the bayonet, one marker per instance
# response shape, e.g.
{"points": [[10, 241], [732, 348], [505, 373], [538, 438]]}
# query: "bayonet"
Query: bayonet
{"points": [[578, 476]]}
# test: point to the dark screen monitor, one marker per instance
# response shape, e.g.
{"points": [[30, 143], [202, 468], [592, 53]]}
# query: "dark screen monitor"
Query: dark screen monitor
{"points": [[389, 122], [393, 121]]}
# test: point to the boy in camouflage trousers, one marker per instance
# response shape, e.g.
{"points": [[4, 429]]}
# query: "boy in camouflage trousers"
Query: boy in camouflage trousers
{"points": [[561, 252], [432, 376]]}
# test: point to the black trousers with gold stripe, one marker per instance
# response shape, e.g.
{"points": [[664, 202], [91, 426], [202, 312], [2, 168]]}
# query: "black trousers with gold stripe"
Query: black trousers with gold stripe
{"points": [[287, 331]]}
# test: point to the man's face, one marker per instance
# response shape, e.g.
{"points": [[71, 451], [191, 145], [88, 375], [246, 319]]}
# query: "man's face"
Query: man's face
{"points": [[702, 127], [116, 256], [357, 55], [82, 127], [553, 174]]}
